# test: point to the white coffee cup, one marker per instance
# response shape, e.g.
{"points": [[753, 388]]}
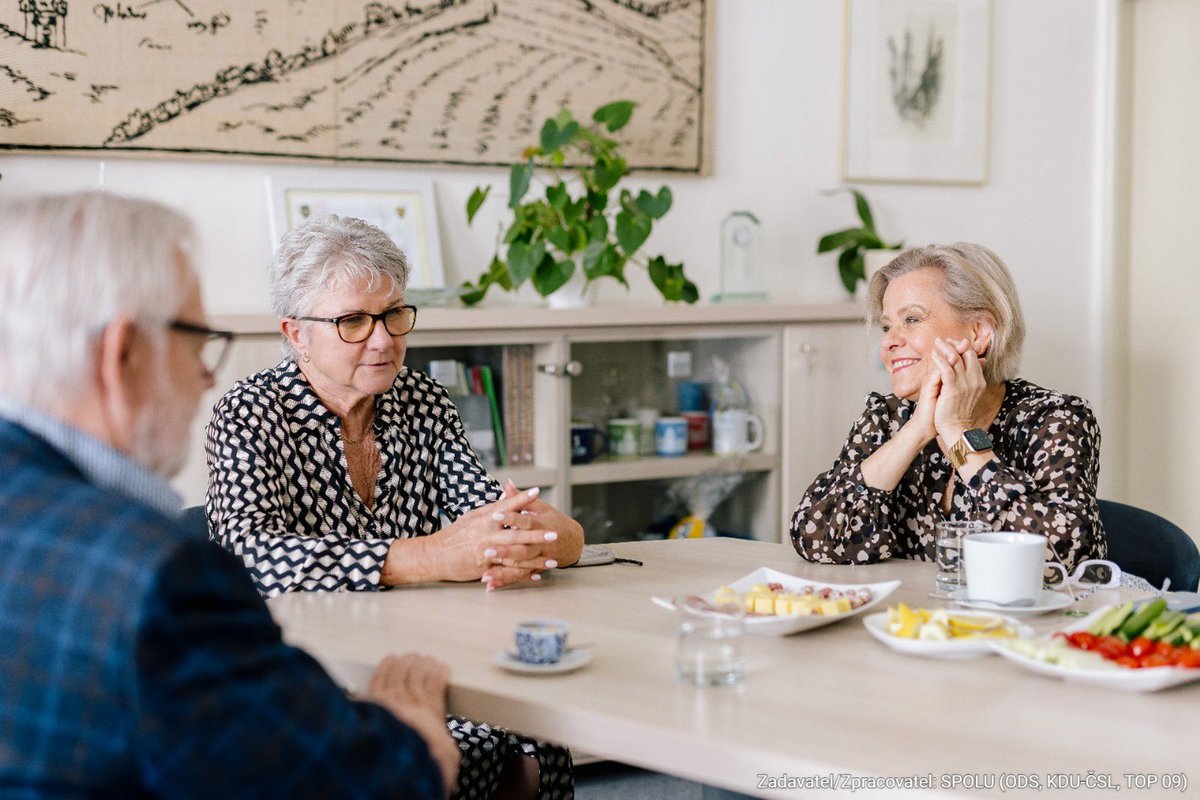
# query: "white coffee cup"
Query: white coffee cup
{"points": [[1006, 568], [736, 431]]}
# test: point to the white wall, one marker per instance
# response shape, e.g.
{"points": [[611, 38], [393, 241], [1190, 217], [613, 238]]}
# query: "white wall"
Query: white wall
{"points": [[1164, 278], [775, 81]]}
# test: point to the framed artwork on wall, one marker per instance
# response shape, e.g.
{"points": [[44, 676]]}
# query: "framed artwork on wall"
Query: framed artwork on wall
{"points": [[916, 91], [402, 207]]}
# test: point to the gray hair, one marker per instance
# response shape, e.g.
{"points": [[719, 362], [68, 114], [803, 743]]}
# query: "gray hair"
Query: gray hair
{"points": [[977, 286], [68, 265], [327, 254]]}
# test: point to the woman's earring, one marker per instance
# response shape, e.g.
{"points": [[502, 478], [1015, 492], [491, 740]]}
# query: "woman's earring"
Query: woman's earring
{"points": [[305, 358]]}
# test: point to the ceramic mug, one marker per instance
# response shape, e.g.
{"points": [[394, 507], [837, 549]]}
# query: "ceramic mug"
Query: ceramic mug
{"points": [[624, 437], [1006, 568], [697, 429], [692, 396], [587, 442], [648, 420], [670, 436], [541, 641], [736, 431]]}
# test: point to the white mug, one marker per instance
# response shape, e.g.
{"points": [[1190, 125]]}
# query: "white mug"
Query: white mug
{"points": [[1006, 568], [736, 431]]}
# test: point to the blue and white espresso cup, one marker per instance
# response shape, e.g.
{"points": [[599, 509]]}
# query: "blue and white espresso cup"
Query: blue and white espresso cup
{"points": [[541, 641]]}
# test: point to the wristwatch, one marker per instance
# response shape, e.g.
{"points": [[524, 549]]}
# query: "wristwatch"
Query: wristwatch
{"points": [[976, 440]]}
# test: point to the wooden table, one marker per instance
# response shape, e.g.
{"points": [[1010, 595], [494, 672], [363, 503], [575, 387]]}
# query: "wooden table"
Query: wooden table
{"points": [[820, 706]]}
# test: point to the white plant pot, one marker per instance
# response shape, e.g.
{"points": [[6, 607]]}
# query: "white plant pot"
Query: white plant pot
{"points": [[575, 293], [875, 260]]}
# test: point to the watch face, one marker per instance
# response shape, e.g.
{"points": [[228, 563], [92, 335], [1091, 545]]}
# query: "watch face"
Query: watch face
{"points": [[977, 439]]}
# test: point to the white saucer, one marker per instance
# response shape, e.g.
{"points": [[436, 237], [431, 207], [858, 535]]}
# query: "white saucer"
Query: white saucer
{"points": [[572, 659], [1049, 601]]}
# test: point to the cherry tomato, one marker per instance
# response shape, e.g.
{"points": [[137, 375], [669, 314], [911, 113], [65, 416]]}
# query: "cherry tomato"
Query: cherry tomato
{"points": [[1082, 639], [1187, 657], [1128, 661], [1141, 646], [1110, 647], [1155, 660], [1165, 648]]}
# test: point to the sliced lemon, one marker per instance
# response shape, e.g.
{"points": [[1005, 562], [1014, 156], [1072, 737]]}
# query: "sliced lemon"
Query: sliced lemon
{"points": [[975, 624], [904, 621]]}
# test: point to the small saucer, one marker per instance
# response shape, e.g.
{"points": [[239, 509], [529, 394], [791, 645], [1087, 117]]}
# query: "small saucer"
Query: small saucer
{"points": [[572, 659], [1047, 602]]}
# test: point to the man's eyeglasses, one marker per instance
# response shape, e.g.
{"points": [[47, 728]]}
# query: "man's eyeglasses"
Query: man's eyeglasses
{"points": [[216, 343], [358, 327]]}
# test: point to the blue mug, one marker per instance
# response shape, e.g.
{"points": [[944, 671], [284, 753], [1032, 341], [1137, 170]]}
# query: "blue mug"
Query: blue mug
{"points": [[587, 442], [692, 396], [671, 436]]}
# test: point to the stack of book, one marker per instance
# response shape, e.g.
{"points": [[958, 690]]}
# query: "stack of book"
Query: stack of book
{"points": [[496, 407]]}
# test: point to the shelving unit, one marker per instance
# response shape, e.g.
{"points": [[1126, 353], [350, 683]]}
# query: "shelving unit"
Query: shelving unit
{"points": [[806, 368]]}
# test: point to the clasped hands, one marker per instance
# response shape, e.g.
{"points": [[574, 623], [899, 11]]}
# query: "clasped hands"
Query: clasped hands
{"points": [[506, 542], [950, 393]]}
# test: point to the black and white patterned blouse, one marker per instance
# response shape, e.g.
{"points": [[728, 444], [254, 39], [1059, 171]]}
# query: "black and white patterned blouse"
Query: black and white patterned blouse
{"points": [[1042, 479], [279, 491]]}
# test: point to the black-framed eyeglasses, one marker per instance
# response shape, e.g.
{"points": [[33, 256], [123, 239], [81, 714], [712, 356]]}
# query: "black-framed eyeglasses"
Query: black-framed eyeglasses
{"points": [[216, 343], [358, 327]]}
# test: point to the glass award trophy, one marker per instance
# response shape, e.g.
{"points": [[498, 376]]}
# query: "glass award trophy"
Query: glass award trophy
{"points": [[741, 260]]}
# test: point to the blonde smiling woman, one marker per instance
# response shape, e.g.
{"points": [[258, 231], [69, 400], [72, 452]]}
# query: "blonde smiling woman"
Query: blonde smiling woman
{"points": [[960, 437]]}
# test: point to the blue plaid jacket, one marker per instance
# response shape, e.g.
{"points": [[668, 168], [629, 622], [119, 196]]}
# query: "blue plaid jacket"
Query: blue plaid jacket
{"points": [[137, 659]]}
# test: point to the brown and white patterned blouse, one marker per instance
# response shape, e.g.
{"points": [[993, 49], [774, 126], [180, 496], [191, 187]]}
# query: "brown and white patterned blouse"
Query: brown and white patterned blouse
{"points": [[1042, 479]]}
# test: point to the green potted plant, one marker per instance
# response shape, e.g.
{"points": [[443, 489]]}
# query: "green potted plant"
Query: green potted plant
{"points": [[568, 220], [854, 244]]}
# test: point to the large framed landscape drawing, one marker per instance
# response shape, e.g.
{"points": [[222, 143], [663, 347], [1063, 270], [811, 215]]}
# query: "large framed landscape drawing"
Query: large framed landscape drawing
{"points": [[421, 81]]}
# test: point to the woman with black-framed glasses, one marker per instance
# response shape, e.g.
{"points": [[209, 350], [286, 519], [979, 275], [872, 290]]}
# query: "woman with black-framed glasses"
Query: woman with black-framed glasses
{"points": [[334, 470]]}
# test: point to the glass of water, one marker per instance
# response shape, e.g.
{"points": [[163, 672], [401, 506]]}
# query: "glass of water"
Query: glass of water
{"points": [[709, 650], [951, 573]]}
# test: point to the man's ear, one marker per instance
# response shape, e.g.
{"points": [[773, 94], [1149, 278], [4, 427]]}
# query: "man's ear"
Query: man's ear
{"points": [[120, 366]]}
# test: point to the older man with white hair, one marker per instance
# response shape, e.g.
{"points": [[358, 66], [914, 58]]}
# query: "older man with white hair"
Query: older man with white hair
{"points": [[136, 658]]}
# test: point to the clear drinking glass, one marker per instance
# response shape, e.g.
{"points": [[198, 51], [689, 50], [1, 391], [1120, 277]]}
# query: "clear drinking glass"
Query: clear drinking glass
{"points": [[951, 572], [709, 650]]}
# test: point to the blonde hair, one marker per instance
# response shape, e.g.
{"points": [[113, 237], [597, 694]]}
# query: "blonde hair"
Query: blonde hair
{"points": [[977, 286]]}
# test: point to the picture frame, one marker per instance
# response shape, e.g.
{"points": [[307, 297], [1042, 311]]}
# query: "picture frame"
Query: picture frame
{"points": [[402, 207], [917, 91]]}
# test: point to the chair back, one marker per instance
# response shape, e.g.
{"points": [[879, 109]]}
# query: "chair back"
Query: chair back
{"points": [[1149, 546]]}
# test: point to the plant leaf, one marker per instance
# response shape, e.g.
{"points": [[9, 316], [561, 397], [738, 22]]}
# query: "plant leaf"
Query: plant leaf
{"points": [[594, 258], [850, 267], [597, 227], [614, 116], [671, 281], [597, 200], [855, 237], [632, 231], [556, 195], [608, 171], [473, 293], [523, 257], [476, 200], [864, 210], [557, 134], [551, 275], [560, 238], [518, 182], [654, 205]]}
